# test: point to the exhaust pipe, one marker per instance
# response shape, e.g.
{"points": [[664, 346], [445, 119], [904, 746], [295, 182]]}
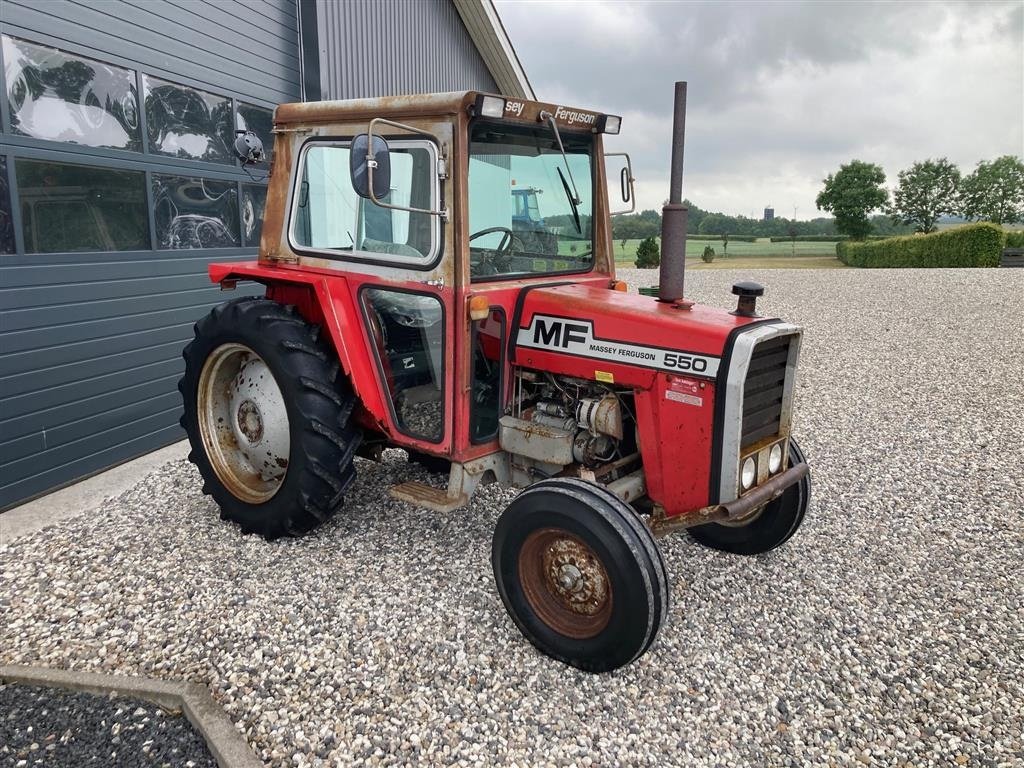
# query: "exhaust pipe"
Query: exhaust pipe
{"points": [[674, 214]]}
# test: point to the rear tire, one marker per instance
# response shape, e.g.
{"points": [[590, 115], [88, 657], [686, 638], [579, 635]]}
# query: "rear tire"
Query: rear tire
{"points": [[580, 574], [771, 528], [267, 412]]}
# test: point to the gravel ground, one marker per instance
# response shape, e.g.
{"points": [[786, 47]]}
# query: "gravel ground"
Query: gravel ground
{"points": [[63, 729], [887, 632]]}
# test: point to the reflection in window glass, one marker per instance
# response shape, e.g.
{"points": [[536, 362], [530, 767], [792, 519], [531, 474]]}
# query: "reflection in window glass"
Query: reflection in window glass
{"points": [[258, 120], [62, 97], [254, 198], [195, 212], [329, 215], [408, 330], [81, 208], [524, 217], [6, 223], [186, 122]]}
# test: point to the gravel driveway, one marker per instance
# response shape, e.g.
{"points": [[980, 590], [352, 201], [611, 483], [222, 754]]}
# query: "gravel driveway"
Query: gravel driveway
{"points": [[887, 632]]}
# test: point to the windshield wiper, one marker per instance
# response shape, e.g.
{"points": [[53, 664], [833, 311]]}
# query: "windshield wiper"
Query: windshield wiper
{"points": [[572, 201], [574, 195]]}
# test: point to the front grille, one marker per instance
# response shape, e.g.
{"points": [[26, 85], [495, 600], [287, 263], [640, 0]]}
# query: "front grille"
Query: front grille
{"points": [[763, 390]]}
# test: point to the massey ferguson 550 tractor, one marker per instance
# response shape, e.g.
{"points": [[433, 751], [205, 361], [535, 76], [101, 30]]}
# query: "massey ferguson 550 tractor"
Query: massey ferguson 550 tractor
{"points": [[402, 309]]}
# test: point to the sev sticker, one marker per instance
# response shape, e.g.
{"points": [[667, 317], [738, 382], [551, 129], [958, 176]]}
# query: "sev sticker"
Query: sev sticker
{"points": [[604, 376]]}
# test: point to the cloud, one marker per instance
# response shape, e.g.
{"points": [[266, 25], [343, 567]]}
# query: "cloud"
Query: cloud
{"points": [[781, 93]]}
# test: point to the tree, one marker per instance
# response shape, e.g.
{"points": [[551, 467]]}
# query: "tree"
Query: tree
{"points": [[851, 193], [648, 254], [994, 191], [926, 191]]}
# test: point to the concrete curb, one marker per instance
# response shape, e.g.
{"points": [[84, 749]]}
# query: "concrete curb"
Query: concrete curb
{"points": [[228, 747]]}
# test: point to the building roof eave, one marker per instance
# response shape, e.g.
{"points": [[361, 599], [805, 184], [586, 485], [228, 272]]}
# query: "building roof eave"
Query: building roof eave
{"points": [[492, 41]]}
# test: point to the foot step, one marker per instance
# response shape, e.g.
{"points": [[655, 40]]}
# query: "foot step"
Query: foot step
{"points": [[423, 495]]}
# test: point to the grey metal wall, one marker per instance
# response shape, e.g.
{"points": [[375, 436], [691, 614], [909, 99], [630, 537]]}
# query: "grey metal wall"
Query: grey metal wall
{"points": [[90, 343], [374, 48]]}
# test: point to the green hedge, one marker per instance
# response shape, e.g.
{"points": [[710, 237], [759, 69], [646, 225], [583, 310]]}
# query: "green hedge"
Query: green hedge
{"points": [[975, 245], [1015, 239]]}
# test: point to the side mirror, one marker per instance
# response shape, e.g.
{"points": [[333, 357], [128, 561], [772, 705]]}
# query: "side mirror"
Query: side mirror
{"points": [[248, 147], [369, 162], [625, 183]]}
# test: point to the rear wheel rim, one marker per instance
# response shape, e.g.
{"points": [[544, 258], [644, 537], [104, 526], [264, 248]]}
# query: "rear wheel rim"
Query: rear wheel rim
{"points": [[565, 583], [243, 422]]}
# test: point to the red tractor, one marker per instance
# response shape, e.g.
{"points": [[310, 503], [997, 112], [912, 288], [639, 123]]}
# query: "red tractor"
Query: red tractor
{"points": [[403, 310]]}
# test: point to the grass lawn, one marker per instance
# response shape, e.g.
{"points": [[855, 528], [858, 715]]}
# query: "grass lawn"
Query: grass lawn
{"points": [[759, 262], [762, 254], [763, 247]]}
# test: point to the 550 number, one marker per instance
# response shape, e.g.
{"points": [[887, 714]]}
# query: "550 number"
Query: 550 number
{"points": [[685, 362]]}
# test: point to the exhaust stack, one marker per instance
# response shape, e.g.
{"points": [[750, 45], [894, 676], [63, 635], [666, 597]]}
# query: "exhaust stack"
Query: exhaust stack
{"points": [[674, 214]]}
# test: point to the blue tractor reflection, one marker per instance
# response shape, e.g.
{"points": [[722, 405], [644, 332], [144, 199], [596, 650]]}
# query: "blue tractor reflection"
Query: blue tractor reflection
{"points": [[528, 225]]}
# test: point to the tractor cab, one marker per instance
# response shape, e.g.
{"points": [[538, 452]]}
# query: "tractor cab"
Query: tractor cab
{"points": [[415, 206], [439, 278]]}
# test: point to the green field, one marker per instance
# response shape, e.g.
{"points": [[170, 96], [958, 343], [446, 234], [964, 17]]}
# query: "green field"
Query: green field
{"points": [[761, 249], [762, 254]]}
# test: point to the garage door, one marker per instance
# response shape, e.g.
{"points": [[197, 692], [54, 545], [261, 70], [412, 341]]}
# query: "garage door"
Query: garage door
{"points": [[117, 188]]}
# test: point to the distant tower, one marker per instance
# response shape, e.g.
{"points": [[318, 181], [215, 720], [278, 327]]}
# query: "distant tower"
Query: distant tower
{"points": [[769, 214]]}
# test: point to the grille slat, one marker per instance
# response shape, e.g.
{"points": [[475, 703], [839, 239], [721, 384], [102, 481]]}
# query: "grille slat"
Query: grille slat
{"points": [[763, 390]]}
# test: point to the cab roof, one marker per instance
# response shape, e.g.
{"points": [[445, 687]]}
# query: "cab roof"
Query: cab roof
{"points": [[435, 104]]}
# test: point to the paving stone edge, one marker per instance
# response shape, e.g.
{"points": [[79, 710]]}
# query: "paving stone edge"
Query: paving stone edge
{"points": [[228, 747]]}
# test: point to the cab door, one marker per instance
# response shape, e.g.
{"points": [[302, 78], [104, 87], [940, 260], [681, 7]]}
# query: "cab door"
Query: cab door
{"points": [[388, 254]]}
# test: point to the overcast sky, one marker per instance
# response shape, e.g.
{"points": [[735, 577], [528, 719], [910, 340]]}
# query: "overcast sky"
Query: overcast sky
{"points": [[781, 93]]}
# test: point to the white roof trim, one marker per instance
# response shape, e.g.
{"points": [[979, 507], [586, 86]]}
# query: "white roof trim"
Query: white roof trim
{"points": [[492, 41]]}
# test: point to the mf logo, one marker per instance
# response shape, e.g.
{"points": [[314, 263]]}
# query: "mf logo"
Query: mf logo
{"points": [[556, 333]]}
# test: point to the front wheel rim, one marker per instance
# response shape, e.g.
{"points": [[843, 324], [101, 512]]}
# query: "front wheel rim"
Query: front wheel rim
{"points": [[565, 583], [243, 423]]}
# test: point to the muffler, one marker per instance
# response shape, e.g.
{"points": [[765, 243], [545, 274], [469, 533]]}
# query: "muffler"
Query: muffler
{"points": [[674, 215]]}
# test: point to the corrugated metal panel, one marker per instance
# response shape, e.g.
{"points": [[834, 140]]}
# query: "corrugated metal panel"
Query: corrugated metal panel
{"points": [[250, 49], [371, 48], [90, 343]]}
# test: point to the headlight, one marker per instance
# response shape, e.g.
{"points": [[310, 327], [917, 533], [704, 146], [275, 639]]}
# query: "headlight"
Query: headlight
{"points": [[492, 106], [748, 474], [775, 458]]}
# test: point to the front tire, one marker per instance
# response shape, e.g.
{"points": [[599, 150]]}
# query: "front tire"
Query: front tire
{"points": [[267, 412], [772, 527], [580, 574]]}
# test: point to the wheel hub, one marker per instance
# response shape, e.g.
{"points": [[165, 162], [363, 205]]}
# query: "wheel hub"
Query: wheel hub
{"points": [[565, 582], [250, 423], [574, 576]]}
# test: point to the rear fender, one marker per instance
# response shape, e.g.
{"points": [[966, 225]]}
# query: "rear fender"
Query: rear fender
{"points": [[325, 301]]}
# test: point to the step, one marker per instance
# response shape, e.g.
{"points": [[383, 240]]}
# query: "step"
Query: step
{"points": [[423, 495]]}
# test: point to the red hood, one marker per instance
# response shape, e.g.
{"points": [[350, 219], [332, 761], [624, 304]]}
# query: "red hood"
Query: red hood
{"points": [[604, 329]]}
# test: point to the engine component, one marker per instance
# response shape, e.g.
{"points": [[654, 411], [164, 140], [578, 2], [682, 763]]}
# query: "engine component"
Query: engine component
{"points": [[592, 450], [600, 415], [538, 441]]}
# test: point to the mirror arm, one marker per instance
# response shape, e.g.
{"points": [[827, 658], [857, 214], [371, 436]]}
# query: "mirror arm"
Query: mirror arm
{"points": [[629, 170], [371, 164]]}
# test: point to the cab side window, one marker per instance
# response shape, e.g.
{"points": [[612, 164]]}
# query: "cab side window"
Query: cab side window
{"points": [[330, 218], [408, 332]]}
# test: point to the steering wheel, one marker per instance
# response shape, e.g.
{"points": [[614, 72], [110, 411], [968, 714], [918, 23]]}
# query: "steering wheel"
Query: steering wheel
{"points": [[496, 262]]}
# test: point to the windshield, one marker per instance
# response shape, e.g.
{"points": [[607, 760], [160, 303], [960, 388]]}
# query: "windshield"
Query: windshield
{"points": [[523, 219]]}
